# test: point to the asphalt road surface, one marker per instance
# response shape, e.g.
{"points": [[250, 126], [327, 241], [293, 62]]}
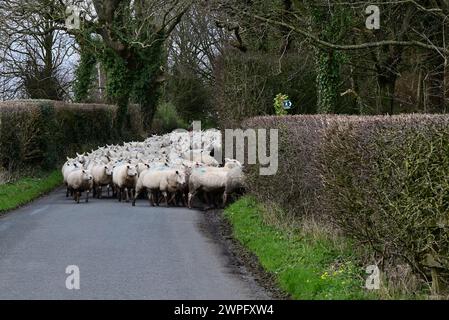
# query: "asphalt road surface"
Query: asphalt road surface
{"points": [[122, 252]]}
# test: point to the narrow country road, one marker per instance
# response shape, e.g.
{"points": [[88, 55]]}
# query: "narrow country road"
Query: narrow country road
{"points": [[122, 253]]}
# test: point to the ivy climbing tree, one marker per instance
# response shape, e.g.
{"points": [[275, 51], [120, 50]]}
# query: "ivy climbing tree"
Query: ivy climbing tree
{"points": [[127, 38], [84, 74], [329, 25]]}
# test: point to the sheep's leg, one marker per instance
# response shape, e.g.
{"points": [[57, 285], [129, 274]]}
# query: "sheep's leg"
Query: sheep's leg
{"points": [[156, 196], [151, 195], [78, 195], [207, 198], [108, 190], [225, 198], [127, 194], [184, 197], [164, 194], [173, 199], [95, 192], [190, 197], [136, 194], [150, 198], [100, 192], [120, 191], [87, 196], [67, 192]]}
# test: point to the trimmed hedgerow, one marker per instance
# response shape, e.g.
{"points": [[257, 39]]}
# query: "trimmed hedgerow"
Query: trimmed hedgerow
{"points": [[37, 133], [381, 180]]}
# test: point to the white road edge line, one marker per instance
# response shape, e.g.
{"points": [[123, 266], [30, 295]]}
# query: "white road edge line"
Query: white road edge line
{"points": [[38, 210]]}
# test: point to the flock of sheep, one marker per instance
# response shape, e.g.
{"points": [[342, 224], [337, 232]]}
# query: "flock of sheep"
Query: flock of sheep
{"points": [[169, 168]]}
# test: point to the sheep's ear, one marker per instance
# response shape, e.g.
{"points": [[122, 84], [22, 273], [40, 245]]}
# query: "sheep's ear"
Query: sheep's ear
{"points": [[68, 159]]}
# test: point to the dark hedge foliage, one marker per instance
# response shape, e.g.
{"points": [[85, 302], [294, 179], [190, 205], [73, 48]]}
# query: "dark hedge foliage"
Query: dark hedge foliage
{"points": [[384, 181], [38, 133]]}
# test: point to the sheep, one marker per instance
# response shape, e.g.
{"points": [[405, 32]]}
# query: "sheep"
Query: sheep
{"points": [[69, 166], [200, 156], [164, 180], [183, 162], [234, 182], [102, 174], [81, 158], [142, 166], [210, 179], [79, 181], [124, 178]]}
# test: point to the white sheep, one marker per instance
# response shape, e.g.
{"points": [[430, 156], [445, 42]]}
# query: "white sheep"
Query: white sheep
{"points": [[124, 178], [165, 180], [200, 156], [80, 181], [173, 152], [210, 179], [102, 174], [69, 166], [234, 182]]}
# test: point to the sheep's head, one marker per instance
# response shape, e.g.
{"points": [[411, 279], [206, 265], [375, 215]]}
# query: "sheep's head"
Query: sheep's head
{"points": [[86, 175], [108, 169], [131, 170], [69, 162], [73, 163], [180, 178], [81, 158], [232, 163]]}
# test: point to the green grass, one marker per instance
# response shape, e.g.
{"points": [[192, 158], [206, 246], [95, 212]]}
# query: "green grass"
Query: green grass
{"points": [[305, 266], [22, 191]]}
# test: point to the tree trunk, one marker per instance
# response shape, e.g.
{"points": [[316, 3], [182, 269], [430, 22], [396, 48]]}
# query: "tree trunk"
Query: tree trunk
{"points": [[445, 85], [328, 80], [385, 97]]}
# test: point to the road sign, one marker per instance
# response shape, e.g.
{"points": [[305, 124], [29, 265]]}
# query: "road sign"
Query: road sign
{"points": [[287, 104]]}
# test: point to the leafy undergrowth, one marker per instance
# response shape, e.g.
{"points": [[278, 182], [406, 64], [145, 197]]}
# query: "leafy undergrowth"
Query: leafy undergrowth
{"points": [[306, 267], [24, 190]]}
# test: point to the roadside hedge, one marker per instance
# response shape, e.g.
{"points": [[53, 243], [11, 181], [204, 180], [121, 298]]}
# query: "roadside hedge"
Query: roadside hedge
{"points": [[381, 180], [38, 133]]}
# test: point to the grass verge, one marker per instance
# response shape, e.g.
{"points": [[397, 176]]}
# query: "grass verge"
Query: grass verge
{"points": [[24, 190], [305, 266]]}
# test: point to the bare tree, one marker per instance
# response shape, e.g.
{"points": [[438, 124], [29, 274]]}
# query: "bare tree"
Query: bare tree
{"points": [[35, 55]]}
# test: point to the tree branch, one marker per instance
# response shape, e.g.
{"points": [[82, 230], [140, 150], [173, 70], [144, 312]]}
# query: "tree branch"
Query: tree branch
{"points": [[323, 43]]}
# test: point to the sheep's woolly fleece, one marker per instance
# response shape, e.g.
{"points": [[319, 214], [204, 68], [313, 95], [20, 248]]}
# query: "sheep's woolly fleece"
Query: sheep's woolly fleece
{"points": [[172, 149], [170, 160]]}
